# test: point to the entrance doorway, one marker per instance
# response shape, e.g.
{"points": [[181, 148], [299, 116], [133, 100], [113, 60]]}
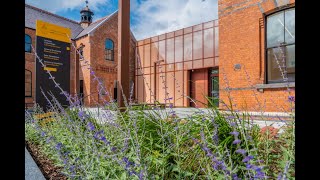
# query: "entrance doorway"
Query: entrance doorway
{"points": [[214, 86], [81, 92], [198, 87]]}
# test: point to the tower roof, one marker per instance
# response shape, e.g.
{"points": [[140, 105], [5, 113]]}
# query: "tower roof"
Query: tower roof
{"points": [[86, 9]]}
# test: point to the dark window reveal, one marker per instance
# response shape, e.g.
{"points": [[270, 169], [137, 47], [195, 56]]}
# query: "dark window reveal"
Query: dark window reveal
{"points": [[109, 50], [27, 43]]}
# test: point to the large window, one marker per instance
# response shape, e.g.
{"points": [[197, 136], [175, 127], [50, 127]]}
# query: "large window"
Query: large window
{"points": [[280, 41], [28, 83], [27, 41], [109, 47]]}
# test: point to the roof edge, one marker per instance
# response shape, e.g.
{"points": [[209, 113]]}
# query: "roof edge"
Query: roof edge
{"points": [[52, 14], [111, 15]]}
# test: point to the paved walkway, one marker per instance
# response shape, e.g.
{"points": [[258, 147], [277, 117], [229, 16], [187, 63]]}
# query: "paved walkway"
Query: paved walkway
{"points": [[103, 117], [32, 171]]}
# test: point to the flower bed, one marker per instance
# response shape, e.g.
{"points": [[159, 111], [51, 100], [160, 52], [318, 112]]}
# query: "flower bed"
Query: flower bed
{"points": [[143, 145]]}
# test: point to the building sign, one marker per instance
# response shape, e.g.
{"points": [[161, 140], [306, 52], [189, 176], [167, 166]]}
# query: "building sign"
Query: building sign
{"points": [[53, 47]]}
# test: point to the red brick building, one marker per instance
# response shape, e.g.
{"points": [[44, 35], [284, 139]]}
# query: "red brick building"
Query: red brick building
{"points": [[252, 36], [237, 56], [96, 40], [247, 54]]}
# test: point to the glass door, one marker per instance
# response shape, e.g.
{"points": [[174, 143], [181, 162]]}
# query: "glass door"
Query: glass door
{"points": [[214, 86]]}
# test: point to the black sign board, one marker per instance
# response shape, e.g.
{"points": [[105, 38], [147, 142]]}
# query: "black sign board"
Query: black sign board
{"points": [[54, 52]]}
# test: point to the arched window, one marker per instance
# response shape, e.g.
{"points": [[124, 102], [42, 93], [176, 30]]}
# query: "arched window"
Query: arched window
{"points": [[280, 46], [109, 46], [28, 83], [27, 41]]}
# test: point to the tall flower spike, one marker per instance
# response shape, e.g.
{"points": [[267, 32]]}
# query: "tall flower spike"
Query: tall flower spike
{"points": [[237, 141], [241, 151]]}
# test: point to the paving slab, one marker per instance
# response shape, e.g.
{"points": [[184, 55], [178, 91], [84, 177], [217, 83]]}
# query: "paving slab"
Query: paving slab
{"points": [[32, 171]]}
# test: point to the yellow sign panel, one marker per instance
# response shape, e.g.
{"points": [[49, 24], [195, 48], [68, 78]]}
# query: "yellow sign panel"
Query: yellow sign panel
{"points": [[50, 69], [52, 31]]}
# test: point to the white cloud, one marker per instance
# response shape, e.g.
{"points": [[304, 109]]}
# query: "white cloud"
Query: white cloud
{"points": [[154, 17], [55, 6]]}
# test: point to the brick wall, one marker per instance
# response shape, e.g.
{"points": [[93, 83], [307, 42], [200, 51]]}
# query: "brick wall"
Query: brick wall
{"points": [[94, 52], [84, 72], [30, 63], [241, 41]]}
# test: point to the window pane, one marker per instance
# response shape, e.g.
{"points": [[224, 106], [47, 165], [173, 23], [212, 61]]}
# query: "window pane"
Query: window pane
{"points": [[178, 99], [178, 49], [27, 39], [274, 58], [216, 41], [109, 44], [162, 50], [140, 62], [290, 59], [290, 26], [197, 45], [275, 29], [208, 43], [146, 55], [187, 47], [170, 50], [154, 53], [27, 47]]}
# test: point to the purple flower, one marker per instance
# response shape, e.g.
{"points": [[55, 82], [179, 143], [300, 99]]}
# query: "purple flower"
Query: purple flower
{"points": [[104, 139], [237, 141], [235, 133], [58, 146], [232, 124], [170, 105], [92, 72], [67, 153], [247, 159], [235, 177], [291, 99], [43, 133], [72, 168], [113, 149], [49, 139], [81, 115], [91, 126], [259, 161], [141, 175], [125, 159], [260, 175], [249, 166], [241, 151], [257, 169]]}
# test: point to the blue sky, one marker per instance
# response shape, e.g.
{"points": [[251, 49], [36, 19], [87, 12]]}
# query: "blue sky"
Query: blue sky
{"points": [[148, 17]]}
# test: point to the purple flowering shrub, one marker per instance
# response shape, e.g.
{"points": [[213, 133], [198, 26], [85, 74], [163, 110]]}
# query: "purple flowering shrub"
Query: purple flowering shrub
{"points": [[152, 143]]}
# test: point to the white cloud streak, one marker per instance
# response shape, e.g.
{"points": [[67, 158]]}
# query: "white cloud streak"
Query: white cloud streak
{"points": [[154, 17], [150, 17], [55, 6]]}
